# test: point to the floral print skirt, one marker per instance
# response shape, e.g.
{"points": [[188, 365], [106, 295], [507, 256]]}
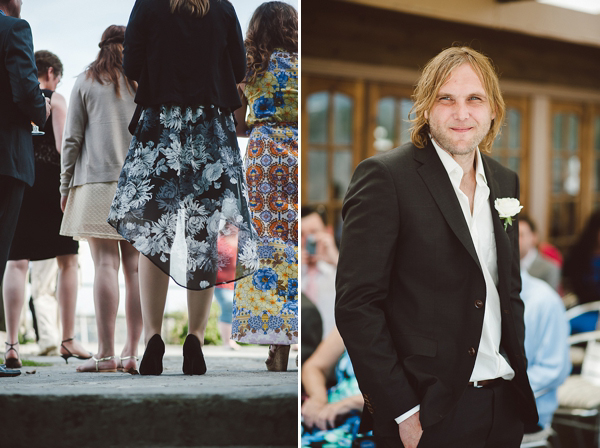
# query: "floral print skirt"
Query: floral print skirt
{"points": [[182, 187], [265, 308]]}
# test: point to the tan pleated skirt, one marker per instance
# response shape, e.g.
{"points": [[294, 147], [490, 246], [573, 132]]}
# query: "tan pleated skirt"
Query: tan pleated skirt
{"points": [[87, 210]]}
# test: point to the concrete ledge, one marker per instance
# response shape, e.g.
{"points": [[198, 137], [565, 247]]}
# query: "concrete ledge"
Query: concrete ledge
{"points": [[237, 403]]}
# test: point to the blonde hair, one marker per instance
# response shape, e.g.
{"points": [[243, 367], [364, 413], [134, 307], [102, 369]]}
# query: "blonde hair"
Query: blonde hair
{"points": [[194, 7], [436, 73]]}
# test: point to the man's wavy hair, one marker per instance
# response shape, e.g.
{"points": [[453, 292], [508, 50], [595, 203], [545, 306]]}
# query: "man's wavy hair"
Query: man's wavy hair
{"points": [[436, 73], [44, 60], [197, 8], [108, 66], [273, 25]]}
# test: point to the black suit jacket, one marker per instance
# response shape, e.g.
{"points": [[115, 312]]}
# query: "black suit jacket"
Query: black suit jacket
{"points": [[407, 284], [21, 100], [177, 58]]}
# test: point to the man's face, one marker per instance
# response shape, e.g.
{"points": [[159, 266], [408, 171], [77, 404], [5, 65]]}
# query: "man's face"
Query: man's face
{"points": [[527, 239], [461, 115]]}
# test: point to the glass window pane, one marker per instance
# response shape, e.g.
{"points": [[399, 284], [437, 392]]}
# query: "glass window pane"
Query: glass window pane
{"points": [[557, 131], [514, 163], [317, 105], [405, 125], [385, 116], [556, 175], [342, 119], [514, 129], [500, 140], [317, 172], [573, 132], [342, 172]]}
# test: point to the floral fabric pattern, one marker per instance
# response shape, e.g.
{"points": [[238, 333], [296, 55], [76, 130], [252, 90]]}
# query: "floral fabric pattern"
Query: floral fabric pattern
{"points": [[181, 187], [346, 431], [273, 97], [266, 304]]}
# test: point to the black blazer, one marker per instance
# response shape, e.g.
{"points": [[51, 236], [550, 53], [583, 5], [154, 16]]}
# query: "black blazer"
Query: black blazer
{"points": [[183, 59], [21, 100], [407, 283]]}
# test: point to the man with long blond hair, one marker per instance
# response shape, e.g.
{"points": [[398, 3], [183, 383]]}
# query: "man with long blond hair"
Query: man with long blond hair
{"points": [[428, 277]]}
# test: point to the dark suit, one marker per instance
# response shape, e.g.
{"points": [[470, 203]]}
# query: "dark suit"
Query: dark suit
{"points": [[21, 101], [409, 286]]}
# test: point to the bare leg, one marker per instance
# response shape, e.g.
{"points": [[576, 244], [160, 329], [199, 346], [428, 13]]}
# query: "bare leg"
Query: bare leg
{"points": [[105, 254], [66, 292], [13, 292], [133, 310], [225, 330], [199, 303], [153, 296]]}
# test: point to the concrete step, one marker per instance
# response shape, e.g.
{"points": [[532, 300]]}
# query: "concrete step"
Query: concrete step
{"points": [[237, 403]]}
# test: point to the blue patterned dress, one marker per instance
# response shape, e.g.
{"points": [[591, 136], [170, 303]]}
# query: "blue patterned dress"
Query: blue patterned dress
{"points": [[265, 307]]}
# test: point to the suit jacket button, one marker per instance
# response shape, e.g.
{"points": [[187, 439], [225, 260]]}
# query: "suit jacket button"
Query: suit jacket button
{"points": [[472, 351], [478, 303]]}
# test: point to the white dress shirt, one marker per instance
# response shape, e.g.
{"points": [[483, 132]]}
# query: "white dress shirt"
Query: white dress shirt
{"points": [[489, 363]]}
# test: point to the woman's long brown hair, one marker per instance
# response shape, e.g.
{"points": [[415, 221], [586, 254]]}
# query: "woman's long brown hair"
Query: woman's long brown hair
{"points": [[273, 25], [193, 7], [108, 66]]}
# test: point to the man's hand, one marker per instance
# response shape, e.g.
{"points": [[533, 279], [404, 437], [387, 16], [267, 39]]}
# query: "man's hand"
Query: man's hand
{"points": [[48, 108], [310, 411], [63, 202], [411, 431]]}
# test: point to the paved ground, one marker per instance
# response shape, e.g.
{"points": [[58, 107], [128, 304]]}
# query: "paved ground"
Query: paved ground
{"points": [[237, 403]]}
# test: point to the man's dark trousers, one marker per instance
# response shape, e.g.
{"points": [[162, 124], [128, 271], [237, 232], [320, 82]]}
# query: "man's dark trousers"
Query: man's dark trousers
{"points": [[11, 195], [485, 417]]}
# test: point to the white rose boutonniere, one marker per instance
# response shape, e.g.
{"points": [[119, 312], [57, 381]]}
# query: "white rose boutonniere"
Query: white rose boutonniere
{"points": [[507, 209]]}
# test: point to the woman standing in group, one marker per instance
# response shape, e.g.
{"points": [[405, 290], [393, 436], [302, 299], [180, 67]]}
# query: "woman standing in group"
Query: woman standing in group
{"points": [[96, 142], [183, 181], [37, 235], [266, 304]]}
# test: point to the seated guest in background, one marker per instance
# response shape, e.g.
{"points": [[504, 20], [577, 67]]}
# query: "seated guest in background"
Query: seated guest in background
{"points": [[546, 346], [330, 415], [311, 328], [581, 272], [531, 259], [319, 262]]}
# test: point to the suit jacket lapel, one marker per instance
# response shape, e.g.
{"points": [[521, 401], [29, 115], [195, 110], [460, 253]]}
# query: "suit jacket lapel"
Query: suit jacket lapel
{"points": [[503, 250], [436, 179]]}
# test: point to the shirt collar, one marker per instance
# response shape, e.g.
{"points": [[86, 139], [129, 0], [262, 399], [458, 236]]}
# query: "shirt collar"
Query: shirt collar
{"points": [[452, 165]]}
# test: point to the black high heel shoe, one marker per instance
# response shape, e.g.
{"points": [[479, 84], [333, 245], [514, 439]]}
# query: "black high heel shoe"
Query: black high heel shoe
{"points": [[152, 361], [71, 355], [193, 359]]}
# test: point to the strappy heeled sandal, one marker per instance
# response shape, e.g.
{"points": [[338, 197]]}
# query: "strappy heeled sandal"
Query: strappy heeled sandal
{"points": [[70, 354], [131, 370], [98, 361], [12, 363]]}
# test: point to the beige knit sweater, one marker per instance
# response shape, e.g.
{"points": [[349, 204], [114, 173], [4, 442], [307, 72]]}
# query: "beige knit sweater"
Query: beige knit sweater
{"points": [[96, 137]]}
